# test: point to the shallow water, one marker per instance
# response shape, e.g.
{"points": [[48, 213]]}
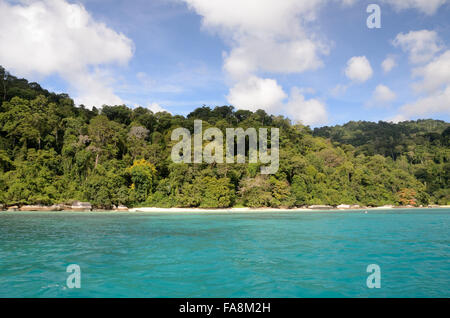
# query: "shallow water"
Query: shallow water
{"points": [[306, 254]]}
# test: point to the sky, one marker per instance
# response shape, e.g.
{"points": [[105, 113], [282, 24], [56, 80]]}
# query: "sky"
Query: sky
{"points": [[314, 61]]}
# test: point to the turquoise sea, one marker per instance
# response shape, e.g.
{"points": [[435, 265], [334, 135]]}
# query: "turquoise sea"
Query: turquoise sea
{"points": [[319, 254]]}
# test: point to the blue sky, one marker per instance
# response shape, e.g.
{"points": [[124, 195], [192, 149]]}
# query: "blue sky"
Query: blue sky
{"points": [[314, 61]]}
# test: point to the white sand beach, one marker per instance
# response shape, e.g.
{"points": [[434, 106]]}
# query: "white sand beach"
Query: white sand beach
{"points": [[269, 210]]}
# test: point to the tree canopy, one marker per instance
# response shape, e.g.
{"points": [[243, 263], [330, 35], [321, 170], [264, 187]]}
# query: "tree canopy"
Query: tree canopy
{"points": [[52, 151]]}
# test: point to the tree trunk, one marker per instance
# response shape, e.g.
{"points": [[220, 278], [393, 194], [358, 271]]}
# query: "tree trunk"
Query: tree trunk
{"points": [[96, 161]]}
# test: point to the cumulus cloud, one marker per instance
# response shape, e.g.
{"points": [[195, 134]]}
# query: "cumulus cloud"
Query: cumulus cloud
{"points": [[307, 111], [436, 74], [437, 103], [94, 88], [388, 64], [275, 57], [156, 108], [55, 37], [259, 18], [257, 93], [268, 37], [421, 45], [428, 7], [382, 96], [358, 69], [397, 119], [434, 89], [433, 67], [264, 36]]}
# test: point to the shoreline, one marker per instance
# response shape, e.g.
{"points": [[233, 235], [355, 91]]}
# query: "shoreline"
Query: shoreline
{"points": [[150, 210], [274, 210]]}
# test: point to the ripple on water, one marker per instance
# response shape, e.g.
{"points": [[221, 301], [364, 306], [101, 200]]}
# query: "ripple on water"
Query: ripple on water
{"points": [[226, 255]]}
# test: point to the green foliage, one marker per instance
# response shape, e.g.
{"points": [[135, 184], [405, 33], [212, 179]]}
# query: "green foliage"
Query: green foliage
{"points": [[54, 152], [256, 192], [106, 187], [34, 179], [217, 193], [142, 175], [206, 192], [281, 194]]}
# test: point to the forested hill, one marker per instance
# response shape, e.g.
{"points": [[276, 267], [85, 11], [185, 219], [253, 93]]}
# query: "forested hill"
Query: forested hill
{"points": [[11, 86], [54, 152], [416, 138]]}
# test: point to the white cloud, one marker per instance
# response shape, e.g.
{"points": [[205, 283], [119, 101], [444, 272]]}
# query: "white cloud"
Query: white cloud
{"points": [[436, 74], [437, 103], [383, 94], [359, 69], [308, 112], [94, 88], [272, 36], [426, 6], [259, 18], [55, 37], [397, 119], [257, 93], [388, 64], [156, 108], [275, 57], [435, 88], [265, 36], [421, 45], [268, 37]]}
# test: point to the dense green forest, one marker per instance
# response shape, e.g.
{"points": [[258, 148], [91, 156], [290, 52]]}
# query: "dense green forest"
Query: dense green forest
{"points": [[54, 152]]}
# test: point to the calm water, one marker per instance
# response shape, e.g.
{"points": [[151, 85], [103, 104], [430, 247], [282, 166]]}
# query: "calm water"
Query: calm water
{"points": [[223, 255]]}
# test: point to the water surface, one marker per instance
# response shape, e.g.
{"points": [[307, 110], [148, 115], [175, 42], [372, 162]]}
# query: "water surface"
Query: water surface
{"points": [[317, 254]]}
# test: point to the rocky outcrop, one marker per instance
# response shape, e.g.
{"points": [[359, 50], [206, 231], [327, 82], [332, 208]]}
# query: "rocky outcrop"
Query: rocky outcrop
{"points": [[37, 208], [65, 207], [320, 207], [81, 206]]}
